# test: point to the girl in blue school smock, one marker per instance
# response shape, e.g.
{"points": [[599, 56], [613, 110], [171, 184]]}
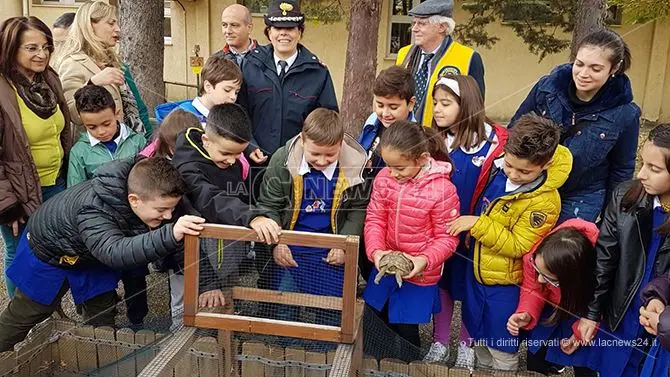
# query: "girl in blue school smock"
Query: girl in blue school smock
{"points": [[632, 249], [473, 143], [655, 317]]}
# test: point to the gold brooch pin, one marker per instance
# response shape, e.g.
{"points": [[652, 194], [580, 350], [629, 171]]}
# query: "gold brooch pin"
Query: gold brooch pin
{"points": [[285, 7]]}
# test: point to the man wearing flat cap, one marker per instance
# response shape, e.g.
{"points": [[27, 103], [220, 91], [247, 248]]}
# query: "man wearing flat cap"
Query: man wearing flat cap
{"points": [[436, 54]]}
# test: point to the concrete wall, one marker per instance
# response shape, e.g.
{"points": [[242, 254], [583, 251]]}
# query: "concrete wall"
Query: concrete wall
{"points": [[511, 69]]}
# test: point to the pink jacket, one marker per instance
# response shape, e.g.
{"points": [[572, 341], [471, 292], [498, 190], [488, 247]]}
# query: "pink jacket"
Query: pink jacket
{"points": [[150, 151], [412, 217], [535, 295]]}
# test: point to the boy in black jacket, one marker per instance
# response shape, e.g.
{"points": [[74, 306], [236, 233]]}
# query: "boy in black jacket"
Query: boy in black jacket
{"points": [[208, 162], [80, 238]]}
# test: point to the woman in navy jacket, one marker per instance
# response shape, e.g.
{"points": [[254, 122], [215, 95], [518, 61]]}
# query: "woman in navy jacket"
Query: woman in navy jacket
{"points": [[283, 82], [592, 101]]}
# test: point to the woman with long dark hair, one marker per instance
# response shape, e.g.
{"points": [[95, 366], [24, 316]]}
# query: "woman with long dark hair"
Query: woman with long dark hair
{"points": [[35, 134], [592, 101]]}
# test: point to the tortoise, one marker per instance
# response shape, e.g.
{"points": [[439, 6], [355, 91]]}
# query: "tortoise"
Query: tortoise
{"points": [[394, 263]]}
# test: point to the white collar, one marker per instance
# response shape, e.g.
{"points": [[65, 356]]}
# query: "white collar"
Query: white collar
{"points": [[288, 61], [123, 135], [509, 186], [657, 202], [197, 103], [329, 171], [476, 148]]}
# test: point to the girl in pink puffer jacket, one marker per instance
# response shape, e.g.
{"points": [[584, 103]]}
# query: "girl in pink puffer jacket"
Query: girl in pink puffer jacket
{"points": [[412, 201]]}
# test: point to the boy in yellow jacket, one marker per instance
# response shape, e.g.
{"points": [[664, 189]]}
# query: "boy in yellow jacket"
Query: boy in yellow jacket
{"points": [[518, 207]]}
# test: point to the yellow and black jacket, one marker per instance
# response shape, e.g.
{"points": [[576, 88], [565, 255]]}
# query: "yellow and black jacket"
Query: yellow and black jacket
{"points": [[513, 223]]}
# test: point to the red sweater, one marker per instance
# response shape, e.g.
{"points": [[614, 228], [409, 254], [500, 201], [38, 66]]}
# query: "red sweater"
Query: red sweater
{"points": [[533, 294]]}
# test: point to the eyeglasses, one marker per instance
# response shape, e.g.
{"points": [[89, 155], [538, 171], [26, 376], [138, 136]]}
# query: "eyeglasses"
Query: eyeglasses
{"points": [[35, 49], [553, 282], [421, 23]]}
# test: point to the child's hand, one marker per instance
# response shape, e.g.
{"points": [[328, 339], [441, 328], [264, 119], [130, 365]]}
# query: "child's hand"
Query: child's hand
{"points": [[187, 224], [655, 306], [257, 156], [283, 256], [267, 229], [211, 298], [335, 257], [517, 321], [587, 328], [378, 257], [420, 263], [649, 320], [461, 224], [570, 345]]}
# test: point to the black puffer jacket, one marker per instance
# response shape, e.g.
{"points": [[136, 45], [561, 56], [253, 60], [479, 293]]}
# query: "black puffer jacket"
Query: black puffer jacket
{"points": [[94, 221], [621, 256]]}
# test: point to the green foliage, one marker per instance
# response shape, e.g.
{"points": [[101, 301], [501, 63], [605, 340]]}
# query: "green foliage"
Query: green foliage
{"points": [[644, 10], [537, 22]]}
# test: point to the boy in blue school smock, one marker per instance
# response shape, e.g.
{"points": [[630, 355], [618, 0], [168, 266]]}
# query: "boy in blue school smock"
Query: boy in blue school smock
{"points": [[82, 237], [315, 184], [518, 207]]}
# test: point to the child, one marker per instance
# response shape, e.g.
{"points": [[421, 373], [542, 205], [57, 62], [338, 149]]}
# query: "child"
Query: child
{"points": [[106, 138], [314, 184], [393, 100], [558, 271], [175, 123], [473, 144], [208, 162], [632, 249], [655, 317], [412, 201], [519, 206], [77, 240]]}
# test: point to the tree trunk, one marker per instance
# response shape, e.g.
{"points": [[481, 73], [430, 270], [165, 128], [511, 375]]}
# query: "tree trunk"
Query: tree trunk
{"points": [[142, 46], [361, 64], [588, 18]]}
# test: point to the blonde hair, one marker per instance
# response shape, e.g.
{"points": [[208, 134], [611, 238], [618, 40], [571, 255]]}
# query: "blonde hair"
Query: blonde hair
{"points": [[82, 38]]}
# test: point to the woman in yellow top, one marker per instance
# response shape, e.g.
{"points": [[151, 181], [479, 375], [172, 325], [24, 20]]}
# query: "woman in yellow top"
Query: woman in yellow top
{"points": [[35, 132]]}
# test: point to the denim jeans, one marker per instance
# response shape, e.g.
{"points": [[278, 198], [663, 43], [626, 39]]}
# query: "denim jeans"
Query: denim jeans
{"points": [[11, 241]]}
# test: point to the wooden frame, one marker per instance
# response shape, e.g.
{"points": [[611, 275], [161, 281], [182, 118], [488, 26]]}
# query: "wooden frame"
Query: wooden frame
{"points": [[347, 304]]}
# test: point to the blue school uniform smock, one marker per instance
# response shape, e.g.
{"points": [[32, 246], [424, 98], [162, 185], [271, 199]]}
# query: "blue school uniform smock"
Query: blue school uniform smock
{"points": [[409, 304], [657, 363], [41, 281], [467, 169], [625, 360], [486, 308], [313, 275]]}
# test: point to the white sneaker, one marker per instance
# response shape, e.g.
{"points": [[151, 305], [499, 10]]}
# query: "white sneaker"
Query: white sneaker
{"points": [[438, 352], [466, 357]]}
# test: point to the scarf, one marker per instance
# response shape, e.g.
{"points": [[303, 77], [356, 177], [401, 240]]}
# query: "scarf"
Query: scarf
{"points": [[37, 95]]}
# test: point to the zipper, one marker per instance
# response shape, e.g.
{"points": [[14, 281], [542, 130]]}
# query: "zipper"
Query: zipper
{"points": [[573, 119], [638, 281], [397, 213]]}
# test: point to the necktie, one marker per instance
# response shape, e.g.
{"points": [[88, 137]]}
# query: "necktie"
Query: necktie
{"points": [[283, 64], [421, 81]]}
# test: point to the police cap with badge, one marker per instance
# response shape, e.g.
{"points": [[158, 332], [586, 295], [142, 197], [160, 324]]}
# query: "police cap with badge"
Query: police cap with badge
{"points": [[433, 8], [284, 14]]}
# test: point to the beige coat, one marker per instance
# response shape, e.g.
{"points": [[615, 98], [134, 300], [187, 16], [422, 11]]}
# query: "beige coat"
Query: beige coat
{"points": [[75, 71]]}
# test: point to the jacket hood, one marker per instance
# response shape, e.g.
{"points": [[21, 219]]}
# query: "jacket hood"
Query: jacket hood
{"points": [[555, 176], [617, 91], [110, 184], [588, 229], [436, 170], [351, 162], [189, 148]]}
